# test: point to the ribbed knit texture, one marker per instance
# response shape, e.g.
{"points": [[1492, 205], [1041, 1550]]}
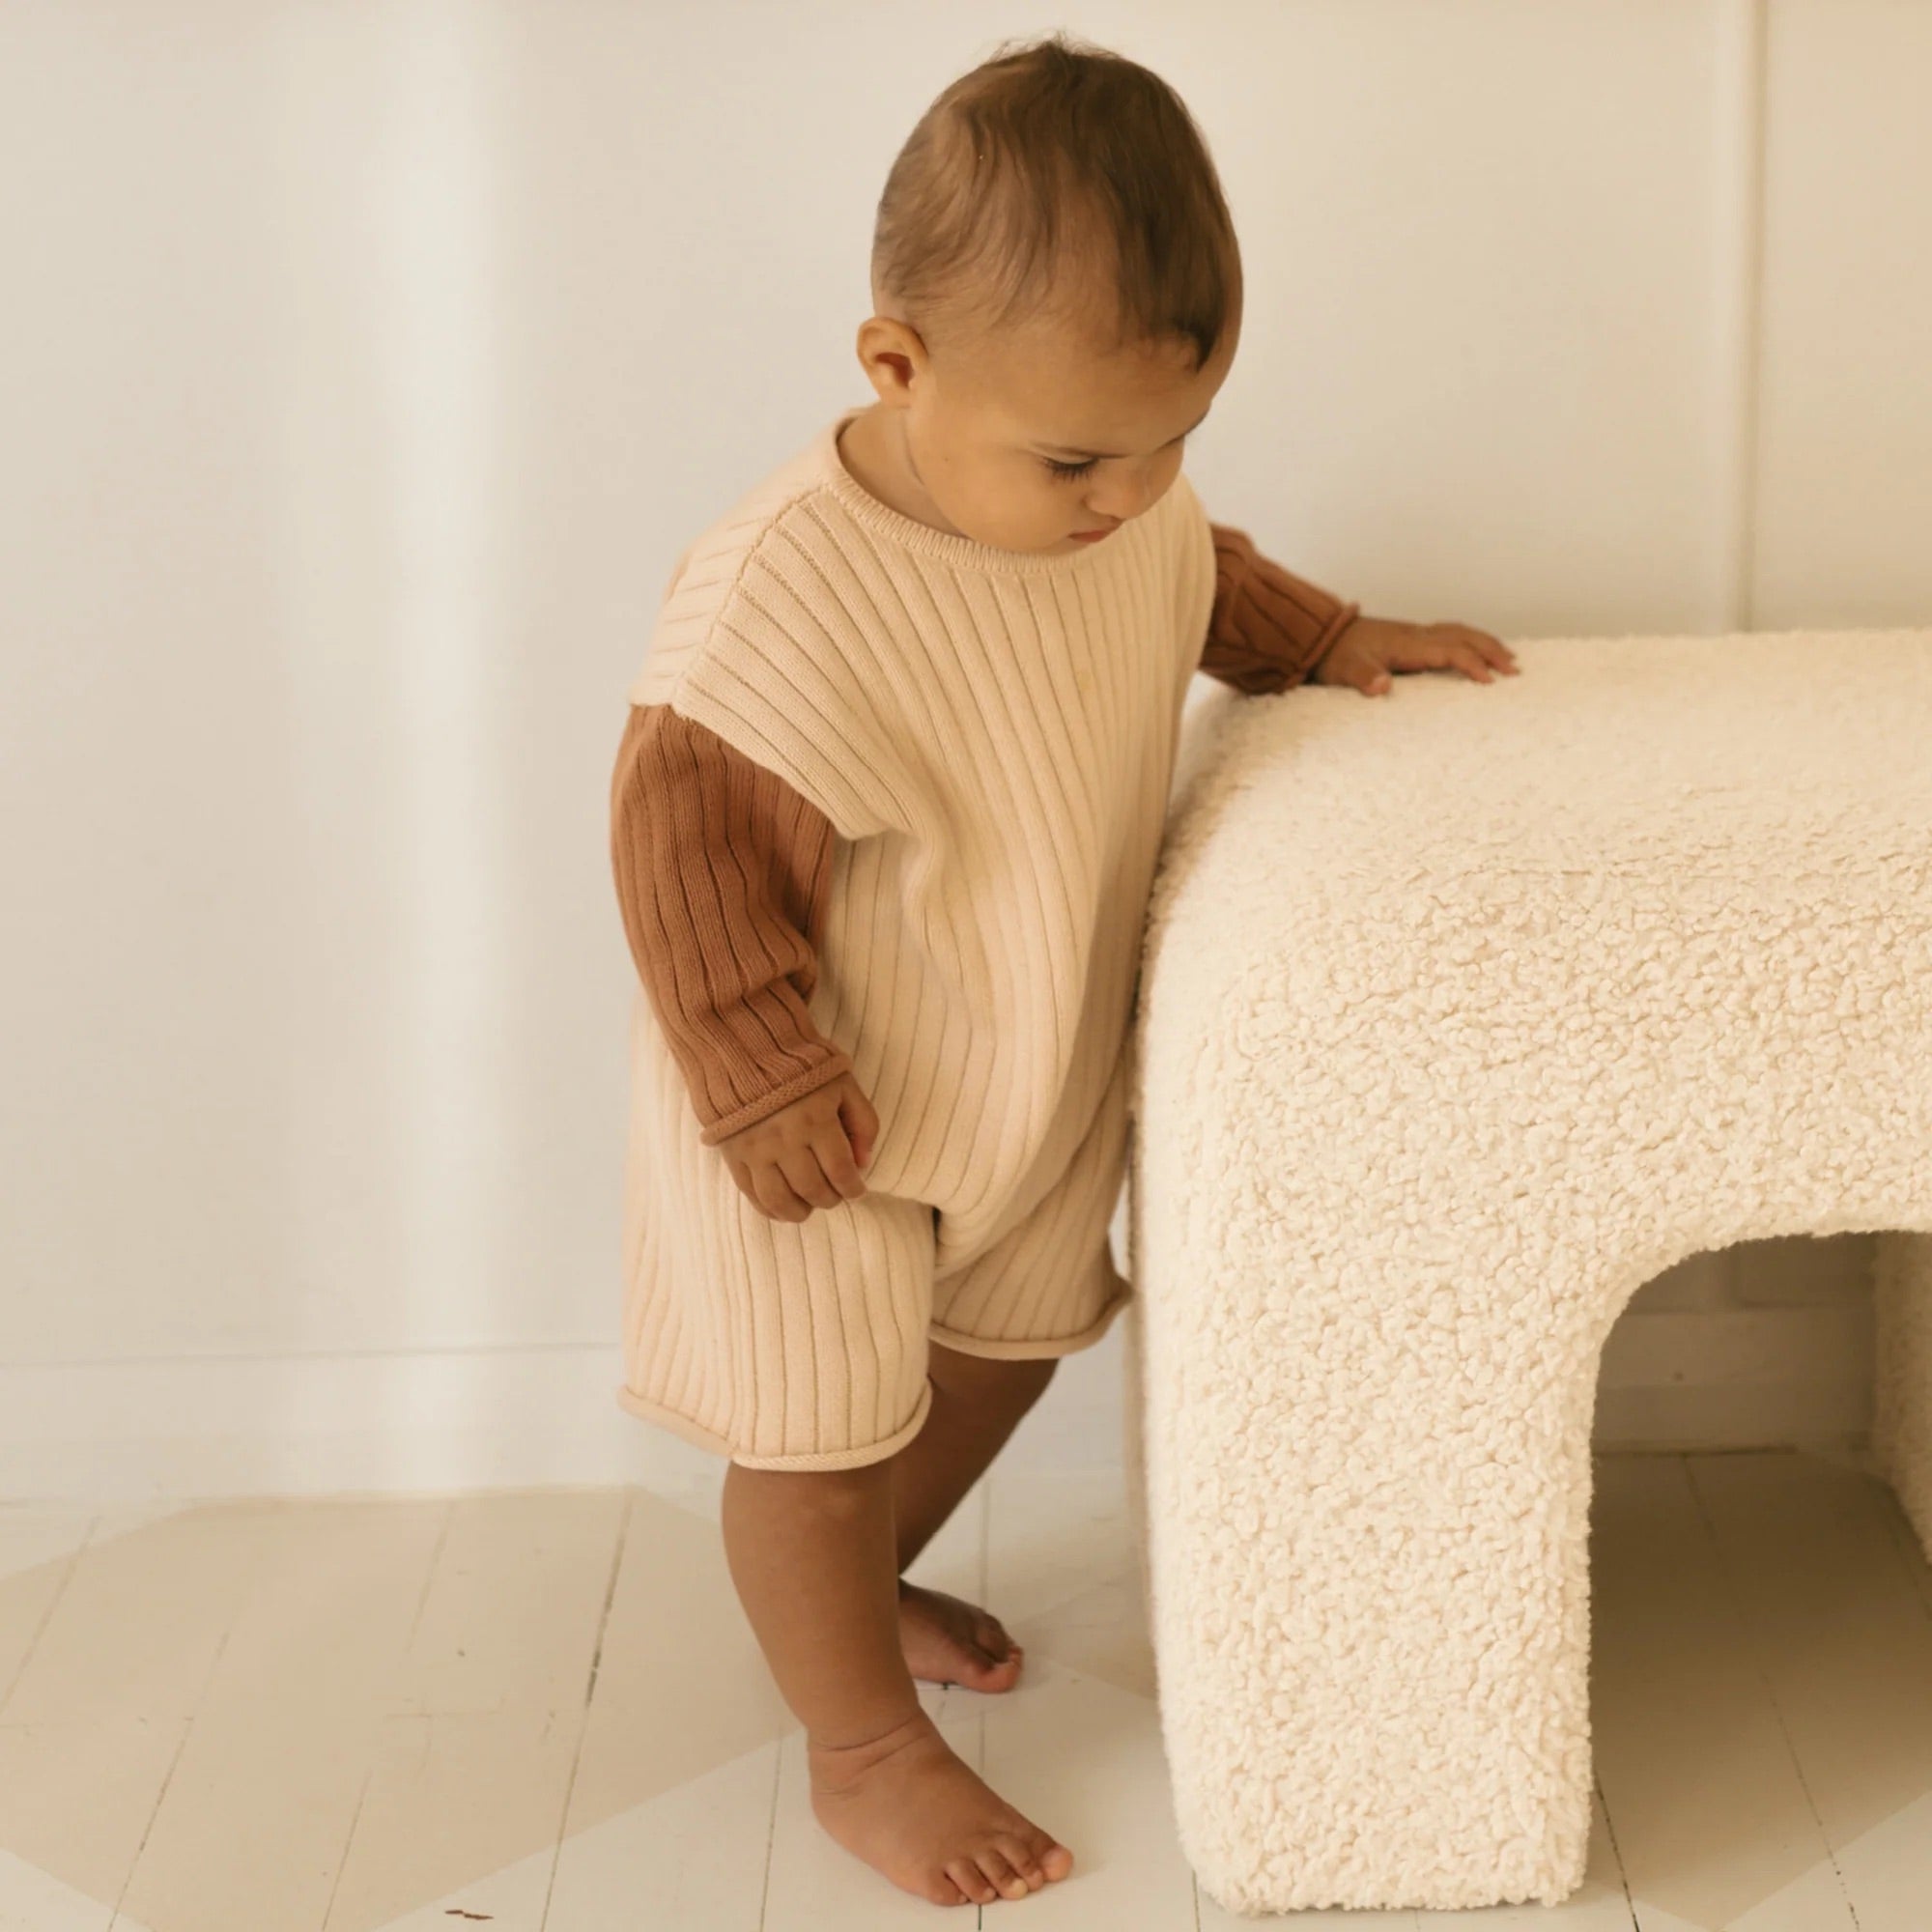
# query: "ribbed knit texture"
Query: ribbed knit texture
{"points": [[991, 735], [1268, 627], [724, 876], [723, 869]]}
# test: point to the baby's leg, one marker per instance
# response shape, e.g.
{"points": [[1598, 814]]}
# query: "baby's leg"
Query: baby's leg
{"points": [[813, 1556], [977, 1403]]}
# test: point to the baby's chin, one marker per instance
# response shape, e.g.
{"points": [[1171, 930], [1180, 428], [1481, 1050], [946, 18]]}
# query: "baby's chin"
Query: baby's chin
{"points": [[1032, 543], [1067, 541], [1064, 546]]}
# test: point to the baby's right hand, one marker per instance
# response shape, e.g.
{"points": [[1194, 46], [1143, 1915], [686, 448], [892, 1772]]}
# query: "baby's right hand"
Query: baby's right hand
{"points": [[801, 1157]]}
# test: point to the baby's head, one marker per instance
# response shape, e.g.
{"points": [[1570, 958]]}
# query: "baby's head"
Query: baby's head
{"points": [[1059, 297]]}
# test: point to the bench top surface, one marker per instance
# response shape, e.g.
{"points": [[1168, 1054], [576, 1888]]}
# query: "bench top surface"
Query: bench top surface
{"points": [[1800, 757]]}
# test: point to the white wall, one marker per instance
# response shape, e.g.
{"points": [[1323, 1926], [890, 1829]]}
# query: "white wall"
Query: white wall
{"points": [[366, 368]]}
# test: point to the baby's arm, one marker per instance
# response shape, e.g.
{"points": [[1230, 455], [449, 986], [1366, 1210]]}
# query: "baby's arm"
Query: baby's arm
{"points": [[1270, 628], [721, 872]]}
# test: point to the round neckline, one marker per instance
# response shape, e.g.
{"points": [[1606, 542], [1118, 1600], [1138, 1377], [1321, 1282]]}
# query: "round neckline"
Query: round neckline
{"points": [[942, 546]]}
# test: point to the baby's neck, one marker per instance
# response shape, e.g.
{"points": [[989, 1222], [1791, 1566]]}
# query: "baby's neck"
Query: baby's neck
{"points": [[873, 460]]}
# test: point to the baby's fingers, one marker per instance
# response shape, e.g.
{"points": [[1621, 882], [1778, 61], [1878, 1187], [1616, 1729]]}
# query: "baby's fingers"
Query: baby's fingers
{"points": [[861, 1120], [1456, 647], [763, 1184], [802, 1169], [833, 1148], [1453, 654]]}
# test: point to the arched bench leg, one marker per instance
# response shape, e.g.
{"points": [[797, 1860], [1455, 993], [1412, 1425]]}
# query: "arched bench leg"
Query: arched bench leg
{"points": [[1373, 1650], [1901, 1438]]}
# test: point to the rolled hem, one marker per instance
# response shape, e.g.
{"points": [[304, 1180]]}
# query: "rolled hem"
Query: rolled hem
{"points": [[1030, 1349], [816, 1459]]}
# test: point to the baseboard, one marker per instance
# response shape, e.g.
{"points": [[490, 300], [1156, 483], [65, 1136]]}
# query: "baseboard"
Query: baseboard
{"points": [[209, 1426], [539, 1416], [428, 1421]]}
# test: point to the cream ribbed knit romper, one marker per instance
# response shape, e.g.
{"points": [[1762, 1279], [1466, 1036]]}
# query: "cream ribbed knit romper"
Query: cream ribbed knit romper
{"points": [[992, 734]]}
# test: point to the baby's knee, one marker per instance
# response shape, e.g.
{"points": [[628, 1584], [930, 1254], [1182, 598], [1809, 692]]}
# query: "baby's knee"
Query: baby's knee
{"points": [[837, 1494]]}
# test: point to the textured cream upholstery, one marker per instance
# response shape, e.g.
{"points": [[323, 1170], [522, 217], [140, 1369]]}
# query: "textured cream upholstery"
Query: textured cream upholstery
{"points": [[1463, 1013]]}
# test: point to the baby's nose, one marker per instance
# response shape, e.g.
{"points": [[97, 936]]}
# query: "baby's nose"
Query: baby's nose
{"points": [[1119, 505]]}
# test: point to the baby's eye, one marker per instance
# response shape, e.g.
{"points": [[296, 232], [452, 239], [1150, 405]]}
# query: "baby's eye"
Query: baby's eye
{"points": [[1070, 470]]}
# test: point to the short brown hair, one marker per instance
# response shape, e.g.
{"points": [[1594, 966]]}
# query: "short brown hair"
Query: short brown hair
{"points": [[1040, 149]]}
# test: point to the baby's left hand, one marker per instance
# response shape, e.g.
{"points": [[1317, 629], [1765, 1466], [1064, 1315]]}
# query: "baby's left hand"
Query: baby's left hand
{"points": [[1371, 647]]}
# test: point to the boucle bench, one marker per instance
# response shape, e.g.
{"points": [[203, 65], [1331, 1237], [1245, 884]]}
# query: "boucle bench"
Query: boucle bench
{"points": [[1463, 1013]]}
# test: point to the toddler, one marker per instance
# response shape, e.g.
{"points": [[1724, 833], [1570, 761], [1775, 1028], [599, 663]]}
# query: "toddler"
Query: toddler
{"points": [[884, 822]]}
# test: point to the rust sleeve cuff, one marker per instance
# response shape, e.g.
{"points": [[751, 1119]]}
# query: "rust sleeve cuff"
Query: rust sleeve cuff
{"points": [[1268, 627]]}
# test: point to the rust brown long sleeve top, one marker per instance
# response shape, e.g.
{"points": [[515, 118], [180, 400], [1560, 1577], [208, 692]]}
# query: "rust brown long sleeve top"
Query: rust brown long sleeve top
{"points": [[722, 867]]}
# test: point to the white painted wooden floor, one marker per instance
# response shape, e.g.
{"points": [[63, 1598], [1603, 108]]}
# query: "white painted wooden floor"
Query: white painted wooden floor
{"points": [[543, 1712]]}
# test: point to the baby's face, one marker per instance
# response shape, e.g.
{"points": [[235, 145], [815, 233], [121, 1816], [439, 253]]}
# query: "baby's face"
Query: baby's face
{"points": [[1025, 439]]}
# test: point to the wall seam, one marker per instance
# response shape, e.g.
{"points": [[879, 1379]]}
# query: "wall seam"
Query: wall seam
{"points": [[1744, 72]]}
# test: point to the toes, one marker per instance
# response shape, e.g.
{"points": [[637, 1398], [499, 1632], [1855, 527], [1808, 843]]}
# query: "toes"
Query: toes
{"points": [[1022, 1856], [971, 1880], [986, 1669], [1000, 1875], [1055, 1859], [991, 1637]]}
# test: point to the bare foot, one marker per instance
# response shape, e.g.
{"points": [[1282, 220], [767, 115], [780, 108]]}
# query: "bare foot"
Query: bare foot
{"points": [[913, 1810], [948, 1640]]}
